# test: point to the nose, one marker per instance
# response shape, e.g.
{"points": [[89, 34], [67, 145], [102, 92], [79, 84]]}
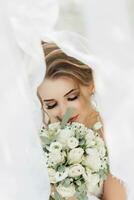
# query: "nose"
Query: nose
{"points": [[62, 111]]}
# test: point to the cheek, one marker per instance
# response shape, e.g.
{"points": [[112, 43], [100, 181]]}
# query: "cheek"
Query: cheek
{"points": [[52, 112], [78, 105], [81, 105], [52, 115]]}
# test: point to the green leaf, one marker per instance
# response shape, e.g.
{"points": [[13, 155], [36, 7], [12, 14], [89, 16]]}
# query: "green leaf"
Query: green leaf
{"points": [[61, 168], [77, 178], [51, 198], [66, 182], [103, 174], [57, 196], [78, 182], [67, 116], [45, 140], [81, 196], [82, 188], [82, 142]]}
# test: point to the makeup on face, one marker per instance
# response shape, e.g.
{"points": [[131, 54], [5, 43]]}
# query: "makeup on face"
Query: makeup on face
{"points": [[73, 94]]}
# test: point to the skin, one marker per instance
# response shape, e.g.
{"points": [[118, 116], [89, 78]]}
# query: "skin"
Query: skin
{"points": [[48, 90], [56, 89]]}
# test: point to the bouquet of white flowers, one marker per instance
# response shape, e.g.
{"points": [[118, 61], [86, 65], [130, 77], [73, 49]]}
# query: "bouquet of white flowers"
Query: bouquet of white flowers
{"points": [[77, 158]]}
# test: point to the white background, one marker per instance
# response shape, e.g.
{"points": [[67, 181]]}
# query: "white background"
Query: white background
{"points": [[109, 26]]}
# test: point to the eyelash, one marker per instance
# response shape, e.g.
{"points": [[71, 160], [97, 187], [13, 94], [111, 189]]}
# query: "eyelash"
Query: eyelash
{"points": [[70, 99]]}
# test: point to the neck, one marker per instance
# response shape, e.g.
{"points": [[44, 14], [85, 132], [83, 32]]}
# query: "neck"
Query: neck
{"points": [[92, 118]]}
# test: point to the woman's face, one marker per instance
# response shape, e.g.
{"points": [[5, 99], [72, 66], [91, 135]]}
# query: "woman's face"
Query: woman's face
{"points": [[59, 94]]}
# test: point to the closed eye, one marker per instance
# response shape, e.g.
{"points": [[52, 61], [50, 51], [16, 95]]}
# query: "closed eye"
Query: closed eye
{"points": [[73, 98], [69, 99], [50, 107]]}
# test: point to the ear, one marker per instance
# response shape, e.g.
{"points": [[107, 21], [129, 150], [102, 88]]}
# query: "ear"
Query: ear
{"points": [[91, 88]]}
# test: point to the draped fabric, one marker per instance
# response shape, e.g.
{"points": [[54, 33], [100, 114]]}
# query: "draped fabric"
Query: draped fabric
{"points": [[99, 34]]}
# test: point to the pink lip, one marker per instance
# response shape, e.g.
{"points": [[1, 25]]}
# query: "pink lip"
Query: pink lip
{"points": [[73, 118]]}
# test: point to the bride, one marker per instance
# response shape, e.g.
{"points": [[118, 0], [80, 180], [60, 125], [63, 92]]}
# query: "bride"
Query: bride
{"points": [[20, 169], [69, 82]]}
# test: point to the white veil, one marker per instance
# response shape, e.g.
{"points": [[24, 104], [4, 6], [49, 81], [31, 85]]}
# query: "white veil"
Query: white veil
{"points": [[25, 24]]}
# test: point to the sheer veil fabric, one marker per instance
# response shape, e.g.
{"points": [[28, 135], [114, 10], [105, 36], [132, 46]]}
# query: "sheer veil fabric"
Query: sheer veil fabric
{"points": [[23, 25]]}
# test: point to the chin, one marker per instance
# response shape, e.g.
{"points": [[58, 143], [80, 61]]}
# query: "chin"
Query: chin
{"points": [[83, 121], [80, 121]]}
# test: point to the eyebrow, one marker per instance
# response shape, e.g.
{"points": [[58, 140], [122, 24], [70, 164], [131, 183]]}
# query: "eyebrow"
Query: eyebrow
{"points": [[64, 95]]}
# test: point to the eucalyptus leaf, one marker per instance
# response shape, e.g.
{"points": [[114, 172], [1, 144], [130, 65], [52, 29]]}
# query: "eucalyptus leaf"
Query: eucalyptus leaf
{"points": [[61, 168], [81, 196], [77, 178], [45, 140], [82, 142], [57, 196], [66, 182], [67, 116], [82, 188], [78, 182], [51, 198], [103, 174]]}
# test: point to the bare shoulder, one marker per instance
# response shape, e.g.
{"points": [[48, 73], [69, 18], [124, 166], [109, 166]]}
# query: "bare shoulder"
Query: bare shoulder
{"points": [[114, 189]]}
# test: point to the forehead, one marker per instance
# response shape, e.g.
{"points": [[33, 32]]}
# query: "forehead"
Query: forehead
{"points": [[52, 88]]}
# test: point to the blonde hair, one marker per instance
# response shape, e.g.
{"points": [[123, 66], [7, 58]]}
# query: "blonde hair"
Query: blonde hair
{"points": [[59, 64]]}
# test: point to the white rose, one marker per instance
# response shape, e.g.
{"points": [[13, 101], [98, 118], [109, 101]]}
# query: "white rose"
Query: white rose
{"points": [[79, 128], [44, 133], [76, 170], [55, 157], [54, 126], [66, 192], [55, 146], [72, 142], [92, 197], [93, 179], [92, 185], [63, 136], [75, 155], [52, 174], [92, 159], [101, 147], [90, 138], [61, 175], [91, 134], [92, 182], [97, 126]]}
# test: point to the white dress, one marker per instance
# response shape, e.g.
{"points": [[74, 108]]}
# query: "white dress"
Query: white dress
{"points": [[108, 26]]}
